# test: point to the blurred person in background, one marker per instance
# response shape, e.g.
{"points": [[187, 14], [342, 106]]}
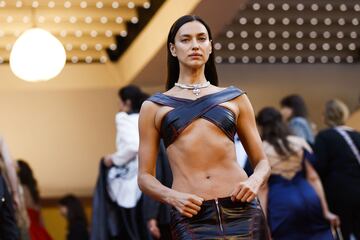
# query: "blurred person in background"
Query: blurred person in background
{"points": [[71, 208], [8, 227], [294, 112], [123, 187], [16, 201], [32, 202], [338, 164], [293, 198]]}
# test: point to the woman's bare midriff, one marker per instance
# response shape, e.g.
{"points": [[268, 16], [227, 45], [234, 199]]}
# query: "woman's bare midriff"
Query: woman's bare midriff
{"points": [[203, 162]]}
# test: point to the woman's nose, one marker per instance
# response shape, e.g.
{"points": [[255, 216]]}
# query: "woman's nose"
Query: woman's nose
{"points": [[195, 44]]}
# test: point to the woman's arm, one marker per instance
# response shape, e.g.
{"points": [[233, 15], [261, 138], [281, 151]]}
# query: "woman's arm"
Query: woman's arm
{"points": [[314, 180], [186, 204], [263, 197], [249, 136]]}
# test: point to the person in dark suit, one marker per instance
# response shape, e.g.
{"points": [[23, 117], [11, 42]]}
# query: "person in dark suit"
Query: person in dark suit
{"points": [[8, 227], [157, 215], [338, 164]]}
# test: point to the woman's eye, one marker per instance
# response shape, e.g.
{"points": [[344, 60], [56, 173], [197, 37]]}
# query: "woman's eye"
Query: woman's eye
{"points": [[184, 40], [202, 39]]}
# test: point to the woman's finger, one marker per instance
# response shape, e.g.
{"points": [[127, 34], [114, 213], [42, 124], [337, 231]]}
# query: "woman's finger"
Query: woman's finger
{"points": [[196, 200], [242, 192], [246, 196], [193, 206]]}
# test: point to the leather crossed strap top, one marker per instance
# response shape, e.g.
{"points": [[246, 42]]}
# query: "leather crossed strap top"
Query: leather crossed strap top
{"points": [[185, 111]]}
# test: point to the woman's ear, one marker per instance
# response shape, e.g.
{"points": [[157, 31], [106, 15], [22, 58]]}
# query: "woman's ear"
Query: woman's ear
{"points": [[172, 49]]}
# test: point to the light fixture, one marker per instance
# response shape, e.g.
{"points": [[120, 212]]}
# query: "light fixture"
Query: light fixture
{"points": [[37, 55], [272, 59], [258, 46], [245, 59], [324, 59], [245, 46], [256, 6], [257, 21], [349, 59], [229, 34], [231, 46], [271, 7], [285, 59], [146, 5], [244, 34], [285, 6], [286, 21], [299, 46], [258, 59], [232, 59], [311, 59], [88, 59], [271, 21], [337, 59], [242, 21], [217, 46], [298, 59], [272, 46], [218, 59], [257, 34], [300, 7]]}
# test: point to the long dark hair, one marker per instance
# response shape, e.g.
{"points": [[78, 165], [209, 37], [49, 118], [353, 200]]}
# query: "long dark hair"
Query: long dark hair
{"points": [[274, 130], [27, 179], [135, 95], [173, 69], [297, 104], [75, 210]]}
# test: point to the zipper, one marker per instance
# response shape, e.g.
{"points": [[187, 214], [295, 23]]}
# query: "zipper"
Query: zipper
{"points": [[218, 214]]}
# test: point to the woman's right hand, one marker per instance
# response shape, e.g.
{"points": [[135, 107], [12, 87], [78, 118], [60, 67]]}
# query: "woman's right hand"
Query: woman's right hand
{"points": [[187, 204]]}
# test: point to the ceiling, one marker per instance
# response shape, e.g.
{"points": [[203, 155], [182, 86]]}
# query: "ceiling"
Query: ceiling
{"points": [[280, 31], [89, 30]]}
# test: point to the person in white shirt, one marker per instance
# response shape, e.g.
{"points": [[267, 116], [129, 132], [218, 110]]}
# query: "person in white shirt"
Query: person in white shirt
{"points": [[122, 183]]}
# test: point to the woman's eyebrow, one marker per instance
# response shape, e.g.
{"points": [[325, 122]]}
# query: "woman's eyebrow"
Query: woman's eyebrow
{"points": [[189, 35]]}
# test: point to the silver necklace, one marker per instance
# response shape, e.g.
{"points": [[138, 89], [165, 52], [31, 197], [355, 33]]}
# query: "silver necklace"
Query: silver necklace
{"points": [[194, 87]]}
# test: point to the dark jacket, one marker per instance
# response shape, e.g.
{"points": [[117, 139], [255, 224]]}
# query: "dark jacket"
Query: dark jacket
{"points": [[104, 220], [8, 227]]}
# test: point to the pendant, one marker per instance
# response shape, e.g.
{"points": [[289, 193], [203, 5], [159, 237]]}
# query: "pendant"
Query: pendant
{"points": [[196, 91]]}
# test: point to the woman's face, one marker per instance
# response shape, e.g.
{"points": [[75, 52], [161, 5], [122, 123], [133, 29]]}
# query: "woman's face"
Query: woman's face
{"points": [[192, 45], [63, 211], [124, 106], [286, 113]]}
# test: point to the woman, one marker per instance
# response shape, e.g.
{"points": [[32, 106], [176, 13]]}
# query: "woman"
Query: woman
{"points": [[293, 198], [123, 166], [212, 197], [32, 202], [72, 209], [294, 111], [339, 166]]}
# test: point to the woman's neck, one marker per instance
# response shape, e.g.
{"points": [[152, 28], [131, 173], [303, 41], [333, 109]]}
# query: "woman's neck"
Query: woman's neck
{"points": [[191, 76]]}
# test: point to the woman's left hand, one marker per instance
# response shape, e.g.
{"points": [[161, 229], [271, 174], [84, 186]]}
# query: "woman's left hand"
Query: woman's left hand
{"points": [[333, 219], [247, 190]]}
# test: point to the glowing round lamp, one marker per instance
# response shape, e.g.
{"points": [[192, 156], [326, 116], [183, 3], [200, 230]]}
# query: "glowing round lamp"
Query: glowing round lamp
{"points": [[37, 55]]}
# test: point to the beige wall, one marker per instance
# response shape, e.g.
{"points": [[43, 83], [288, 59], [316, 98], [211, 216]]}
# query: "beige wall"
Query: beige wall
{"points": [[267, 84], [61, 128]]}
